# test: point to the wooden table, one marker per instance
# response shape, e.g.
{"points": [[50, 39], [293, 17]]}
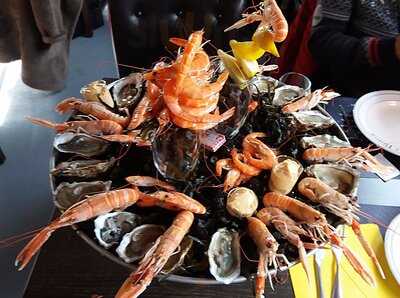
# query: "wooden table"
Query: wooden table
{"points": [[68, 267]]}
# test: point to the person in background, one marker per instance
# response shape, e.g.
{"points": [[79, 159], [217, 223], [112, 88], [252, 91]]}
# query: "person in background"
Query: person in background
{"points": [[356, 44]]}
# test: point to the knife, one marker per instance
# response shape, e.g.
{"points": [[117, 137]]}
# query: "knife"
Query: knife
{"points": [[318, 258]]}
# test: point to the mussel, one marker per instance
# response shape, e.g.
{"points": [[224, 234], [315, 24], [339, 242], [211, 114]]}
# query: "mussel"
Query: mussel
{"points": [[135, 244], [284, 174], [67, 194], [80, 143], [110, 228], [224, 255], [307, 120], [342, 178], [286, 94], [97, 91], [128, 90], [91, 168], [322, 141]]}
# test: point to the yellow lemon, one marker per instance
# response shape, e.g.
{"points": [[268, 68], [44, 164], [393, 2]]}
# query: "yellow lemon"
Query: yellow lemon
{"points": [[246, 50], [249, 67], [232, 65], [263, 38]]}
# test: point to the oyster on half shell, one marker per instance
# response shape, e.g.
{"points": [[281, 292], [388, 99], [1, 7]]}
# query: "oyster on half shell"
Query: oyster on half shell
{"points": [[286, 94], [67, 194], [224, 255], [110, 228], [322, 141], [135, 244], [80, 143], [342, 178], [308, 120], [128, 90]]}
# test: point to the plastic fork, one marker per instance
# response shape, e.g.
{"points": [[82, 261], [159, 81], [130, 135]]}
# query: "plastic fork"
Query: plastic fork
{"points": [[318, 259]]}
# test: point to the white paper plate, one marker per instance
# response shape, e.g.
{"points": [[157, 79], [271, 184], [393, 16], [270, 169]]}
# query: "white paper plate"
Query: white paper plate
{"points": [[377, 115], [392, 250]]}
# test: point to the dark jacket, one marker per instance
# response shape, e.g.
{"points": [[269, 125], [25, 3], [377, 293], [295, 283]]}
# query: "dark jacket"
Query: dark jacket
{"points": [[38, 32], [353, 41]]}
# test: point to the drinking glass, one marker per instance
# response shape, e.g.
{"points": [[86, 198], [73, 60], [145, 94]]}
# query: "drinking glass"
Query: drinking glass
{"points": [[296, 79]]}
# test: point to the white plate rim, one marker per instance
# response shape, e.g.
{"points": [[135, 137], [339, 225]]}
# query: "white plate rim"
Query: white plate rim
{"points": [[359, 122], [390, 244]]}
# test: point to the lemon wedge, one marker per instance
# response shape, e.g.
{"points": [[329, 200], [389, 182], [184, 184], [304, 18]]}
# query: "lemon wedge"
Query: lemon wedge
{"points": [[249, 67], [232, 65], [246, 50], [263, 39]]}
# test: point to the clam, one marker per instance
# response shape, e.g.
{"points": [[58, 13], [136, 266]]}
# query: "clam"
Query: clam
{"points": [[97, 91], [323, 141], [286, 94], [135, 244], [91, 168], [80, 143], [111, 227], [224, 255], [128, 90], [241, 202], [308, 120], [342, 178], [284, 174], [67, 194], [176, 260]]}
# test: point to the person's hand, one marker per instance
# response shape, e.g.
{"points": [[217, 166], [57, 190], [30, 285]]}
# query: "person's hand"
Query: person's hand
{"points": [[397, 47]]}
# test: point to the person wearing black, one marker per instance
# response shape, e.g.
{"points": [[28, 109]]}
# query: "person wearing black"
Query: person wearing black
{"points": [[356, 44]]}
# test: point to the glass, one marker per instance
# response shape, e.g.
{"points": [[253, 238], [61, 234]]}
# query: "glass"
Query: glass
{"points": [[232, 96], [176, 153], [296, 79]]}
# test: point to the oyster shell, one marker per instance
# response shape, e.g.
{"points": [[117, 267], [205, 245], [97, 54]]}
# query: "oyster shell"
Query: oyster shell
{"points": [[128, 90], [342, 178], [176, 260], [241, 202], [323, 141], [80, 143], [97, 91], [83, 168], [135, 244], [224, 255], [286, 94], [110, 228], [262, 84], [67, 194], [308, 120], [284, 174]]}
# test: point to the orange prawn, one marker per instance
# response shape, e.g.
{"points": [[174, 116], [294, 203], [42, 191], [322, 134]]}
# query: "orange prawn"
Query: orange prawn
{"points": [[94, 127], [139, 114], [90, 108]]}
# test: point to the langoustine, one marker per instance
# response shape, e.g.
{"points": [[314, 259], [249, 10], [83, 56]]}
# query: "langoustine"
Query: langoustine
{"points": [[316, 223], [340, 205]]}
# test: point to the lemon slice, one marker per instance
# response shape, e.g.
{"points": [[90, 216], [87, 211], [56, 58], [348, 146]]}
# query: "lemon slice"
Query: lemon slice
{"points": [[246, 50], [263, 39]]}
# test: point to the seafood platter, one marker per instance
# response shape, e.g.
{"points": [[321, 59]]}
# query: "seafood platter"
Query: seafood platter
{"points": [[204, 169]]}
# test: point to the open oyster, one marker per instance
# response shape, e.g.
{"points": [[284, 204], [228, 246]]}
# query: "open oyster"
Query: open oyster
{"points": [[284, 174], [308, 120], [176, 260], [263, 84], [67, 194], [341, 178], [80, 144], [110, 228], [224, 255], [97, 91], [286, 94], [128, 90], [322, 141], [135, 244]]}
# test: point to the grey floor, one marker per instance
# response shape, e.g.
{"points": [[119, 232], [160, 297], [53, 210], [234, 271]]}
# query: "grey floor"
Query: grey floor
{"points": [[25, 198]]}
